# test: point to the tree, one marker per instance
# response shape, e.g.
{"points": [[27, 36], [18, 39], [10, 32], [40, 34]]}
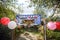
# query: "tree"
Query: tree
{"points": [[46, 4], [5, 3], [11, 4], [6, 12], [51, 35], [40, 11], [5, 33]]}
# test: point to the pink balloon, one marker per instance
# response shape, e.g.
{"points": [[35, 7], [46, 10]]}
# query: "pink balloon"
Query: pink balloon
{"points": [[51, 26], [5, 20]]}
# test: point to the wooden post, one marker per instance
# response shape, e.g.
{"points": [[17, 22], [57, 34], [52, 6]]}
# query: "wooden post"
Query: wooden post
{"points": [[44, 20], [44, 31], [13, 35]]}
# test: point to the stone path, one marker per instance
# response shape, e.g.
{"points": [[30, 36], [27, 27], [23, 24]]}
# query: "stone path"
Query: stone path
{"points": [[29, 36], [32, 36]]}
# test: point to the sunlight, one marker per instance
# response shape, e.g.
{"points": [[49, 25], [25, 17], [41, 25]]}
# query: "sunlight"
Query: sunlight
{"points": [[23, 1], [24, 4]]}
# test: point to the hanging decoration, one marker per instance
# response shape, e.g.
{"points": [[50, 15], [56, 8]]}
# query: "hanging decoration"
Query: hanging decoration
{"points": [[51, 26], [12, 25], [58, 25], [5, 20]]}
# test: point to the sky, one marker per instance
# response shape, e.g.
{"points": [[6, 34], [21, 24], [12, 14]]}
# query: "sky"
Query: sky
{"points": [[29, 10], [24, 4]]}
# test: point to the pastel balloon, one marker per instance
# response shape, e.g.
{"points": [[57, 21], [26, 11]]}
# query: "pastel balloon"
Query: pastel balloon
{"points": [[5, 20], [58, 25], [12, 25], [51, 26]]}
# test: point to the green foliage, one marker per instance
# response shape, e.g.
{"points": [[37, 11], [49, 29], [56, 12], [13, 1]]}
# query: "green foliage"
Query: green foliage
{"points": [[53, 35], [46, 3], [4, 31], [4, 12], [40, 11]]}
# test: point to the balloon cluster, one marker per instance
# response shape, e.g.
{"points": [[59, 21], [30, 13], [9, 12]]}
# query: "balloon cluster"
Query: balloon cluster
{"points": [[53, 25], [6, 21]]}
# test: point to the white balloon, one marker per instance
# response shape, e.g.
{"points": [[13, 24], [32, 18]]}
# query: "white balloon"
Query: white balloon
{"points": [[12, 25]]}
